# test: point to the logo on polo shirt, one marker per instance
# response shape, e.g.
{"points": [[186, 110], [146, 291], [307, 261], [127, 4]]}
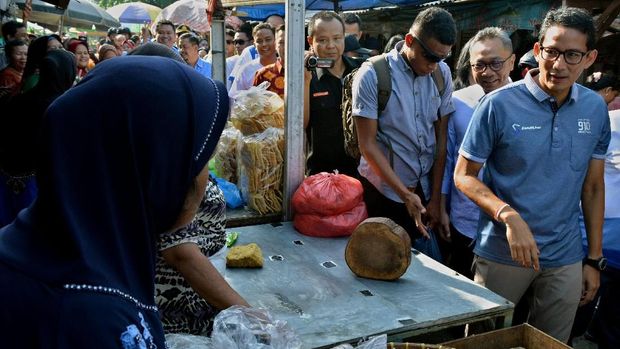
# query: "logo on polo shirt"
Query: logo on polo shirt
{"points": [[517, 128], [583, 126]]}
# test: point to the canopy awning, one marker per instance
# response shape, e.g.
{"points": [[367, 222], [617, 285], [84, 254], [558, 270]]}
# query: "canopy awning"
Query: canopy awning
{"points": [[79, 13]]}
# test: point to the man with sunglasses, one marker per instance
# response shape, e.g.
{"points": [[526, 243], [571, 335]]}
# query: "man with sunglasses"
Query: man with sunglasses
{"points": [[398, 167], [490, 59], [543, 142], [246, 52], [243, 38]]}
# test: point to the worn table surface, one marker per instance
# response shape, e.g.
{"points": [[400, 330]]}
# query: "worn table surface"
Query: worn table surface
{"points": [[326, 304]]}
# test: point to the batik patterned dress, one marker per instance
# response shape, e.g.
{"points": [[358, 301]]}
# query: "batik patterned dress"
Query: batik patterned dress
{"points": [[182, 309]]}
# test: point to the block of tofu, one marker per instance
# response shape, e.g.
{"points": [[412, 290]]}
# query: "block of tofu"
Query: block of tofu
{"points": [[245, 256]]}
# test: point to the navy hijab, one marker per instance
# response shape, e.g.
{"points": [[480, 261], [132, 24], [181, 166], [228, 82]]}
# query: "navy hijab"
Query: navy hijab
{"points": [[20, 125], [119, 152]]}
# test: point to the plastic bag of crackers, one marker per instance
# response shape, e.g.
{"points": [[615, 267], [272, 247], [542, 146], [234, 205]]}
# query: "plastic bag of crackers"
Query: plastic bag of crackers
{"points": [[257, 109], [225, 157], [261, 166]]}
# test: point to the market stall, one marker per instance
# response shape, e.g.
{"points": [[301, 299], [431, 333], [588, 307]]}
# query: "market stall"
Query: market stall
{"points": [[306, 282]]}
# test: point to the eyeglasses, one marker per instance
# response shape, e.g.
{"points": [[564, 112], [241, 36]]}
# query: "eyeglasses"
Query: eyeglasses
{"points": [[480, 67], [429, 55], [240, 42], [229, 42], [571, 57]]}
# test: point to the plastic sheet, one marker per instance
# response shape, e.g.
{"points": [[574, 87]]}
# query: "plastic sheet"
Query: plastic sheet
{"points": [[327, 194], [251, 328], [232, 195], [342, 224]]}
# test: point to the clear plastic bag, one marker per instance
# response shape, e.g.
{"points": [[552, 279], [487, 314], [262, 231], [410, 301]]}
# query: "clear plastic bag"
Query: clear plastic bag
{"points": [[257, 109], [225, 157], [187, 341], [261, 165], [251, 328]]}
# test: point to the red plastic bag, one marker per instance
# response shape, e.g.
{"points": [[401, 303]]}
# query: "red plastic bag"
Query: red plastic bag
{"points": [[331, 226], [327, 194]]}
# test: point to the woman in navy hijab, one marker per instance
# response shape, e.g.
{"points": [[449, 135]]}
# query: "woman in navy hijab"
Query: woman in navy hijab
{"points": [[77, 267]]}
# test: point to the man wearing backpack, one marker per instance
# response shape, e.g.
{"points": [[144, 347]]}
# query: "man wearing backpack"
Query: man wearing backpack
{"points": [[398, 168], [323, 96]]}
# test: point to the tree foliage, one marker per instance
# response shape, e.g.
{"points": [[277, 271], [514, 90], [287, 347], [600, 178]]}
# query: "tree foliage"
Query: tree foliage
{"points": [[109, 3]]}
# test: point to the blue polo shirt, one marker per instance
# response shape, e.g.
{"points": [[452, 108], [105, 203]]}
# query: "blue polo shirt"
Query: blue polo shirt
{"points": [[536, 161], [203, 67], [463, 212]]}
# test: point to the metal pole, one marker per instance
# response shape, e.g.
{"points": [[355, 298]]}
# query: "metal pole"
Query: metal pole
{"points": [[61, 23], [293, 102], [218, 49]]}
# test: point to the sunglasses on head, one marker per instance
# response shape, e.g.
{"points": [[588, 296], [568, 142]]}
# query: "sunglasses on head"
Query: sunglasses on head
{"points": [[428, 54]]}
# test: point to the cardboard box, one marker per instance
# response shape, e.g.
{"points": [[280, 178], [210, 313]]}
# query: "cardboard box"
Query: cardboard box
{"points": [[522, 336]]}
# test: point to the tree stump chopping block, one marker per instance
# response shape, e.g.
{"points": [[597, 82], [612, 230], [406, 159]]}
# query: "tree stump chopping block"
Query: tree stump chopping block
{"points": [[378, 249]]}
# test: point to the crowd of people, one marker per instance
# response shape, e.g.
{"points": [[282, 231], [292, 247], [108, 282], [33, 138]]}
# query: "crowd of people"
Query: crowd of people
{"points": [[109, 229]]}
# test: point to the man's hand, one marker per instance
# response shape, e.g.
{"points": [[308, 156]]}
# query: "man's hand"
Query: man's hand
{"points": [[307, 73], [416, 210], [590, 284], [444, 226], [27, 11], [523, 247], [433, 215]]}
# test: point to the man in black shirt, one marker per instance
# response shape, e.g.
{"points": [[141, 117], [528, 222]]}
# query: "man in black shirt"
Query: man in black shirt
{"points": [[323, 97]]}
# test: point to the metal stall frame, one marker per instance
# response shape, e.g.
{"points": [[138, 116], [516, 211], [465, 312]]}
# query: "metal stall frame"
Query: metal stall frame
{"points": [[294, 160]]}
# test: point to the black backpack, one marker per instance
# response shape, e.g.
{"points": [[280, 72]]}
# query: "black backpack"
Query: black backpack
{"points": [[384, 90]]}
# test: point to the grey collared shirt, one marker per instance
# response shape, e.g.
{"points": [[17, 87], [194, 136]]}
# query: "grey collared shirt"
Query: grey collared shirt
{"points": [[407, 121]]}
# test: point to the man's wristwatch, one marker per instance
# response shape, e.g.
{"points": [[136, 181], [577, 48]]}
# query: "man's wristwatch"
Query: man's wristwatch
{"points": [[600, 263]]}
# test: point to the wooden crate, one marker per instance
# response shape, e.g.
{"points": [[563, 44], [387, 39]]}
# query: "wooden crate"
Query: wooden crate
{"points": [[524, 336]]}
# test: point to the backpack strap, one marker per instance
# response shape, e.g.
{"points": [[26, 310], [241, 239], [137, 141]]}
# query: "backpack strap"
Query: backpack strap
{"points": [[439, 82], [384, 90], [384, 80]]}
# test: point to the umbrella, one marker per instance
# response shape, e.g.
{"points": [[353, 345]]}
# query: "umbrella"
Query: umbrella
{"points": [[134, 12], [192, 13], [79, 13]]}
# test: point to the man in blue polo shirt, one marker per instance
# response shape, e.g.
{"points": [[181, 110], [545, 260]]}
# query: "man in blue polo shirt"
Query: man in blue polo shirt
{"points": [[543, 140], [188, 43]]}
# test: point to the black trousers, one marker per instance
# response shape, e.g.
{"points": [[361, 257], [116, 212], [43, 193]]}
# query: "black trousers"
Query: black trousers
{"points": [[380, 206], [460, 253]]}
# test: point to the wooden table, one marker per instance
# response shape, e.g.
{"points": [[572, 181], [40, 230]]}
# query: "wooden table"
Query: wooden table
{"points": [[306, 282]]}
